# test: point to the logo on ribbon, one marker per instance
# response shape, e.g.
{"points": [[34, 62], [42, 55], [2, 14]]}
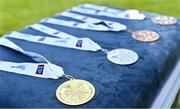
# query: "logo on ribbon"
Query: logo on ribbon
{"points": [[57, 32], [79, 43], [41, 39], [22, 67], [61, 41], [40, 70]]}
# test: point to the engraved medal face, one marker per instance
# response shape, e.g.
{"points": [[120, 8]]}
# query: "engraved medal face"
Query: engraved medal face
{"points": [[164, 20], [145, 35], [122, 56], [75, 92]]}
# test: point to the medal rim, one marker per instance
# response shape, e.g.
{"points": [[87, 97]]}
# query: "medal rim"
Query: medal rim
{"points": [[137, 56], [147, 41], [159, 23], [77, 104]]}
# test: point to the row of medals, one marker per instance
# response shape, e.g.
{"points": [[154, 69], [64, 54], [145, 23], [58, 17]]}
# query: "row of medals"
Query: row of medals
{"points": [[78, 92]]}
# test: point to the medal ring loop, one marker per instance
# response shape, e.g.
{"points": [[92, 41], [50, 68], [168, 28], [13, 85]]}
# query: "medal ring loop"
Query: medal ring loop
{"points": [[69, 77], [105, 51]]}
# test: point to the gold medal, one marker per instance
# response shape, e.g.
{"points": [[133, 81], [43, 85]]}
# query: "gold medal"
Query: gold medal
{"points": [[75, 92], [145, 35], [164, 20]]}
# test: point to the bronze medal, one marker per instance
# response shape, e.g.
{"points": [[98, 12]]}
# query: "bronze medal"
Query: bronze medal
{"points": [[145, 35]]}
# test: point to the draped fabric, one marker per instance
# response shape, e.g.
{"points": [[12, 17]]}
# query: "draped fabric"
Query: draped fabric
{"points": [[116, 86]]}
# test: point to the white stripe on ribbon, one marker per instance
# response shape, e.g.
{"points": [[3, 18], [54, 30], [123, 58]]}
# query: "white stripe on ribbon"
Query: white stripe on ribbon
{"points": [[108, 12], [68, 40], [44, 69]]}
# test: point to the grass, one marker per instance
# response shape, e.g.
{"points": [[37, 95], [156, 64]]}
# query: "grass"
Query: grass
{"points": [[15, 14]]}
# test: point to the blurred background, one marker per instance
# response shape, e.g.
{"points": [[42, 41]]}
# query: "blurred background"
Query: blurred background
{"points": [[15, 14]]}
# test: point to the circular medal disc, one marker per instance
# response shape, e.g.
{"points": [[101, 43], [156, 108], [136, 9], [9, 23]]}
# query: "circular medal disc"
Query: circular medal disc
{"points": [[75, 92], [164, 20], [122, 56], [145, 35]]}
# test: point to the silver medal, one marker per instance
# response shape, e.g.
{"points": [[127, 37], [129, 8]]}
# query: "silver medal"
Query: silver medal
{"points": [[122, 56], [164, 20]]}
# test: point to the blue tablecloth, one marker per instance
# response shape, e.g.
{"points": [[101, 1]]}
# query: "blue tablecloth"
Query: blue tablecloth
{"points": [[116, 86]]}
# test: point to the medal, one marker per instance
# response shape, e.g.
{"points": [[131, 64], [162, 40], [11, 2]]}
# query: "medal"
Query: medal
{"points": [[122, 56], [164, 20], [72, 92], [117, 56], [75, 92], [145, 35]]}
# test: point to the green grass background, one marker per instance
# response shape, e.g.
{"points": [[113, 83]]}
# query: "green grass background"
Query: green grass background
{"points": [[15, 14]]}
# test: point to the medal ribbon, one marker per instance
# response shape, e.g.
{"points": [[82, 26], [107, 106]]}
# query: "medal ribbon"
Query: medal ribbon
{"points": [[78, 43], [67, 41], [89, 23], [51, 31], [108, 12], [44, 69], [88, 26]]}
